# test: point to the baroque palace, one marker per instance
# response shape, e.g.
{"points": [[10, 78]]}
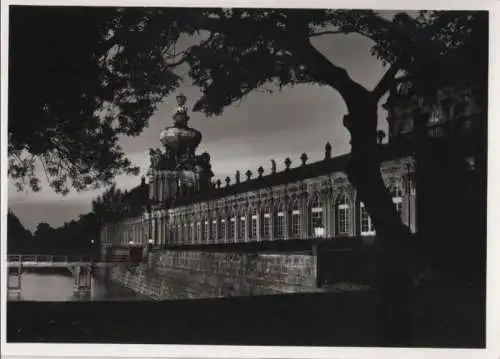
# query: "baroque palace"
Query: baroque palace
{"points": [[184, 208]]}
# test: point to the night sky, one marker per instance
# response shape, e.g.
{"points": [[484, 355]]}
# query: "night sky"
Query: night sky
{"points": [[249, 134]]}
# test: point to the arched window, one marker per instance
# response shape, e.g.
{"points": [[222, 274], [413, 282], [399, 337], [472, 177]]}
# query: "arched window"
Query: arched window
{"points": [[317, 228], [192, 232], [205, 231], [213, 235], [242, 226], [199, 233], [172, 236], [342, 211], [266, 223], [279, 223], [231, 228], [179, 234], [397, 198], [253, 227], [367, 228], [222, 229], [296, 225], [187, 234]]}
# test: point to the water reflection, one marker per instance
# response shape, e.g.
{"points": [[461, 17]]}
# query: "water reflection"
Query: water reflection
{"points": [[59, 288]]}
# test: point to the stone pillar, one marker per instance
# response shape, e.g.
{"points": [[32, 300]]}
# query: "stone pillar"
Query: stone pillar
{"points": [[153, 227], [258, 236], [152, 186], [353, 212], [306, 217], [159, 228], [357, 217], [413, 206]]}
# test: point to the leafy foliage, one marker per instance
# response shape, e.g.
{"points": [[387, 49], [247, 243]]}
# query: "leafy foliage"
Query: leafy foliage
{"points": [[80, 78], [114, 205], [68, 106]]}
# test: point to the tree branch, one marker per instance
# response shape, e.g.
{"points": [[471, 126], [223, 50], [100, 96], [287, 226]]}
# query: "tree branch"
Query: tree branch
{"points": [[330, 32], [387, 80], [44, 169], [327, 73]]}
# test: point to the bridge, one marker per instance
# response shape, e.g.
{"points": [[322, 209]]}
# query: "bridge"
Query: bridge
{"points": [[47, 261], [80, 266]]}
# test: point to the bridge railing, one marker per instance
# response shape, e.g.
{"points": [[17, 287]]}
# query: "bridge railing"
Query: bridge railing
{"points": [[47, 258]]}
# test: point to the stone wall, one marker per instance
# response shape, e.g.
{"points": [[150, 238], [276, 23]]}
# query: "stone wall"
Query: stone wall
{"points": [[190, 274]]}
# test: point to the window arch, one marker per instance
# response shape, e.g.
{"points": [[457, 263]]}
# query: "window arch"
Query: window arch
{"points": [[254, 217], [266, 222], [296, 225], [342, 209], [316, 212]]}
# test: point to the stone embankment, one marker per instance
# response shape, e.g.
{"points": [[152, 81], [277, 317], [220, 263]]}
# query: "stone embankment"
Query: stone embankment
{"points": [[192, 275]]}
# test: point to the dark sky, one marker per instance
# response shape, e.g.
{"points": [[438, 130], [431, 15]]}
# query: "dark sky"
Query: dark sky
{"points": [[246, 136]]}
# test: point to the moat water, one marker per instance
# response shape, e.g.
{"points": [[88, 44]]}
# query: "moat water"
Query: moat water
{"points": [[59, 288]]}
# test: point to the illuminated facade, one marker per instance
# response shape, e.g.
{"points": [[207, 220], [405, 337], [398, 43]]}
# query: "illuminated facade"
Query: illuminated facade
{"points": [[309, 202]]}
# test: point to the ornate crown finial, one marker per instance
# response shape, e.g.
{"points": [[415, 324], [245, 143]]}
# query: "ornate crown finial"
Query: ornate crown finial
{"points": [[181, 99], [180, 112]]}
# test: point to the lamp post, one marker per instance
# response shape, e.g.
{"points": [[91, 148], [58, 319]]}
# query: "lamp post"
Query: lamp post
{"points": [[91, 250]]}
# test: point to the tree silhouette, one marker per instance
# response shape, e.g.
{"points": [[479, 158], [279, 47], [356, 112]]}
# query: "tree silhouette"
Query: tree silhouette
{"points": [[17, 235], [67, 107]]}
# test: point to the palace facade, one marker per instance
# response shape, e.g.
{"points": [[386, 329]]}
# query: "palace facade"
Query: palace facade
{"points": [[184, 208]]}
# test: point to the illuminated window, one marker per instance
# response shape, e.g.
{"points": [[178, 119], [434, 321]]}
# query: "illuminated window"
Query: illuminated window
{"points": [[254, 218], [317, 223], [214, 230], [296, 220], [199, 233], [367, 227], [397, 199], [342, 215], [242, 227], [222, 229], [230, 232], [205, 231], [279, 224], [266, 225]]}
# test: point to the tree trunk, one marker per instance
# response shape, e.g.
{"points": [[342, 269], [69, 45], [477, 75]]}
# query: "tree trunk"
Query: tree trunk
{"points": [[393, 237], [393, 270]]}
